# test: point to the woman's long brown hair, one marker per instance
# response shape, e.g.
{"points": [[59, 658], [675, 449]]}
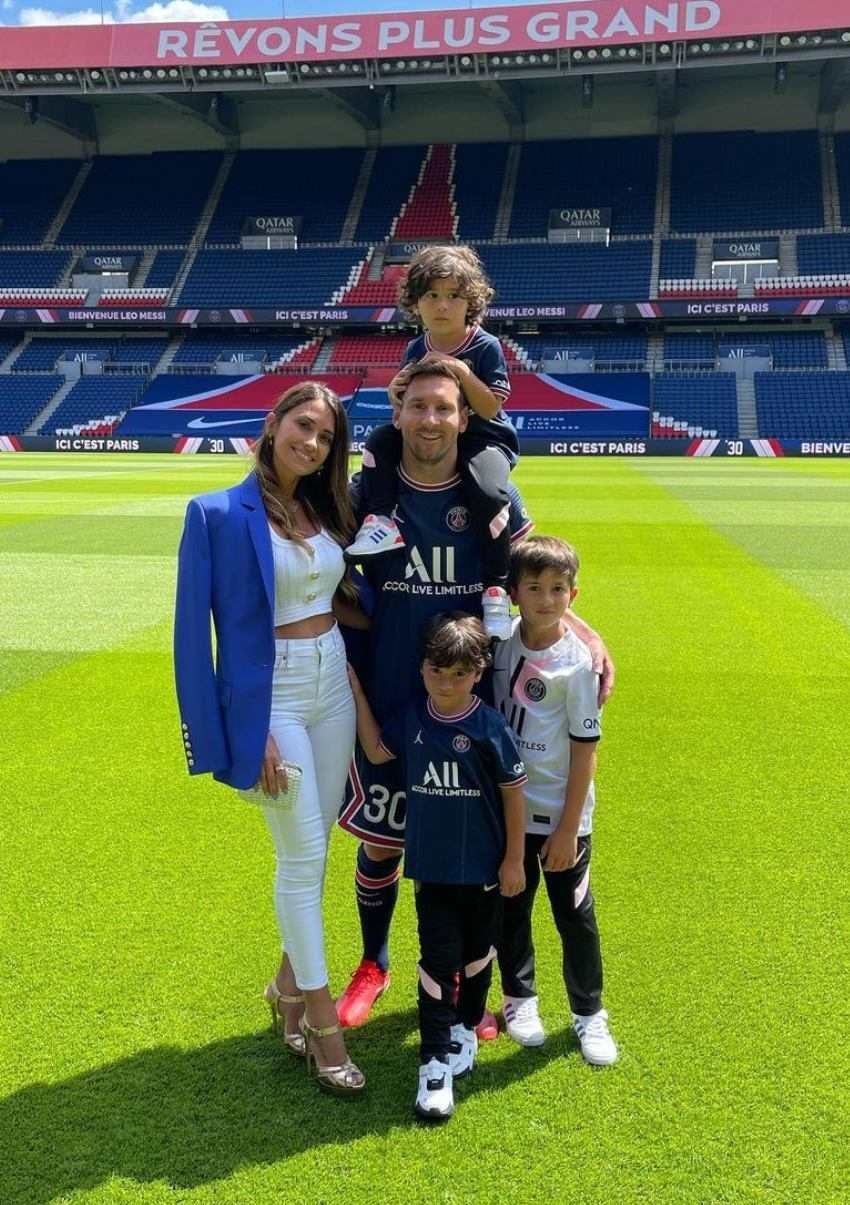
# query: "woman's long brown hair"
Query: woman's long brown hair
{"points": [[323, 494]]}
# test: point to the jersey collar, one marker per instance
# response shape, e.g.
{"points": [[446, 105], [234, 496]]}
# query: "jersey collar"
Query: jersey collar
{"points": [[464, 345], [452, 719], [426, 487]]}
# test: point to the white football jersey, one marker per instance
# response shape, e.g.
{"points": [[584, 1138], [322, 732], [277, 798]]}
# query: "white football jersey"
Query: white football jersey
{"points": [[548, 696]]}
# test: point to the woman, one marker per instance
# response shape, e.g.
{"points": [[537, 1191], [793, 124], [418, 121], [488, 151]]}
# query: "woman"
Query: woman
{"points": [[265, 558]]}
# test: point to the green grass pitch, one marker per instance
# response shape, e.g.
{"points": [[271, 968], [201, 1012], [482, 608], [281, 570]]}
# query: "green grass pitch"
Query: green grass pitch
{"points": [[136, 924]]}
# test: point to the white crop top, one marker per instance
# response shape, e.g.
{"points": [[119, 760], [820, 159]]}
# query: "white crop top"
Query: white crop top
{"points": [[304, 585]]}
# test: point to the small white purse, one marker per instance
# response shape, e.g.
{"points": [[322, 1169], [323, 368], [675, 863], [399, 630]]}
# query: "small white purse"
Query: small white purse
{"points": [[284, 801]]}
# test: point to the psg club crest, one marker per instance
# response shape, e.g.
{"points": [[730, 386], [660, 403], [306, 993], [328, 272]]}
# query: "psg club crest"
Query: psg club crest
{"points": [[461, 743], [457, 519], [535, 690]]}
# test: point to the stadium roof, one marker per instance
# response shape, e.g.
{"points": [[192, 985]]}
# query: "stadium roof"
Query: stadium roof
{"points": [[354, 64]]}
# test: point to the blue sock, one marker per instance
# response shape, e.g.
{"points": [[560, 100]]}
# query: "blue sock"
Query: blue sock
{"points": [[376, 884]]}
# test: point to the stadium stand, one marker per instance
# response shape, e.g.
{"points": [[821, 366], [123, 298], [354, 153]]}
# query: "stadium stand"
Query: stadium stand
{"points": [[479, 173], [31, 192], [430, 212], [123, 195], [164, 269], [354, 350], [206, 349], [236, 278], [315, 185], [823, 254], [813, 405], [22, 398], [30, 270], [678, 259], [796, 349], [94, 397], [394, 176], [740, 180], [842, 168], [681, 346], [42, 353], [629, 347], [586, 172], [706, 400], [586, 272]]}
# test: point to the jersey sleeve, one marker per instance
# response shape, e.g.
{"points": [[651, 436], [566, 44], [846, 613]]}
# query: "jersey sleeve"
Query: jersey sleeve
{"points": [[493, 371], [508, 765], [583, 712], [519, 520], [392, 734], [413, 351]]}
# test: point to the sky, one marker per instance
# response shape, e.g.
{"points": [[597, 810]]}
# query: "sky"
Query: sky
{"points": [[75, 12]]}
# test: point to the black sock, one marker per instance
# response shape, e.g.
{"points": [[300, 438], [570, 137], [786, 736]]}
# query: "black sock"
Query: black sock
{"points": [[376, 884]]}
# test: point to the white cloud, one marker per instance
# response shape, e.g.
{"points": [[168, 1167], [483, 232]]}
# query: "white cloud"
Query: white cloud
{"points": [[172, 10], [8, 4]]}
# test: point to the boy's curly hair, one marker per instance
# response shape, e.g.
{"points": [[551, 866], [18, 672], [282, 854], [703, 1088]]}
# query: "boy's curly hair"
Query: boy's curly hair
{"points": [[456, 638], [439, 263]]}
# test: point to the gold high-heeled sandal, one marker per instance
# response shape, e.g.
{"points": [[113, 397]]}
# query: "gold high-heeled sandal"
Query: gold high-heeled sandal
{"points": [[343, 1079], [295, 1043]]}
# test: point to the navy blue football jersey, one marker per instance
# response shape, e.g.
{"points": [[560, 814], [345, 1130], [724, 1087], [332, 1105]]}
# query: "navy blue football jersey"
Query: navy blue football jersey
{"points": [[438, 569], [483, 353], [453, 767]]}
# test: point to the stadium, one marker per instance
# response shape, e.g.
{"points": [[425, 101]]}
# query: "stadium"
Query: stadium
{"points": [[193, 218]]}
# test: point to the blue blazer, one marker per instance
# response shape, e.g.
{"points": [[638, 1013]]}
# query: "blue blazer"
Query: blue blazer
{"points": [[225, 570]]}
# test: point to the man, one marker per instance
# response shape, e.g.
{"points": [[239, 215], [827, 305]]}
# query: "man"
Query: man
{"points": [[437, 569]]}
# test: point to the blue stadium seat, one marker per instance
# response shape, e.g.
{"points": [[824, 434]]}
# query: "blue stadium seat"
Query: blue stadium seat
{"points": [[202, 348], [31, 193], [842, 167], [803, 405], [93, 398], [235, 278], [21, 399], [585, 272], [393, 175], [41, 354], [745, 181], [629, 347], [479, 174], [315, 185], [823, 254], [707, 400], [161, 194], [615, 172], [678, 259], [683, 346], [31, 269], [164, 269]]}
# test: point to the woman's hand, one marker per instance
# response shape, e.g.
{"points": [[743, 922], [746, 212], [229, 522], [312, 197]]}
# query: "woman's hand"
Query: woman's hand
{"points": [[273, 778]]}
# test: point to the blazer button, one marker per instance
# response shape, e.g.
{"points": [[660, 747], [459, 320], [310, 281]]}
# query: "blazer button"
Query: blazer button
{"points": [[190, 761], [314, 575], [309, 597]]}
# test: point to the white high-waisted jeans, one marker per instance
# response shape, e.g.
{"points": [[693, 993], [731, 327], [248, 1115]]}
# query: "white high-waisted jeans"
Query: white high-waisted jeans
{"points": [[313, 721]]}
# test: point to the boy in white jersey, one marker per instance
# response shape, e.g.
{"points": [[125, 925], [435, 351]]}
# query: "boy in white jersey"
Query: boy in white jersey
{"points": [[545, 686]]}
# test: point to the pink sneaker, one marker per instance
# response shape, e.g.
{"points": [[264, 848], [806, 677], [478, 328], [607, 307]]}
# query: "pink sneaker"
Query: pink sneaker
{"points": [[487, 1028], [367, 983]]}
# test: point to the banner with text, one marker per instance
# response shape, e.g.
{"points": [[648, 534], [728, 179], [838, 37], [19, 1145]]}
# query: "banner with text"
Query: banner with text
{"points": [[590, 23]]}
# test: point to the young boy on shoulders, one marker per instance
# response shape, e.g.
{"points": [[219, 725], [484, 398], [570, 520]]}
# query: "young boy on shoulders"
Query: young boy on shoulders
{"points": [[545, 687], [463, 842], [447, 291]]}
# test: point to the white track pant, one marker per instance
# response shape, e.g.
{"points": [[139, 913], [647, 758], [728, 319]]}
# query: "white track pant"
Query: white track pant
{"points": [[313, 721]]}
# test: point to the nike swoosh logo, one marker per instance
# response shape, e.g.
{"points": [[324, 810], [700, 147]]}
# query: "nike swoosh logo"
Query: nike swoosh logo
{"points": [[201, 424], [492, 887]]}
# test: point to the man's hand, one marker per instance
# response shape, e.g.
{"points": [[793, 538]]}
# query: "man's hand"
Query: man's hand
{"points": [[559, 851], [512, 877], [457, 366]]}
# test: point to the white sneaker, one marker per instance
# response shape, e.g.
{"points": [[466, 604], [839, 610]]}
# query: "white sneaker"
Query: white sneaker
{"points": [[522, 1020], [462, 1051], [435, 1099], [377, 535], [597, 1045], [497, 613]]}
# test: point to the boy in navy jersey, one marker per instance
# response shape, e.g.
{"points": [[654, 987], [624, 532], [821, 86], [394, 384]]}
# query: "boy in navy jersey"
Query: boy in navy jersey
{"points": [[463, 841], [545, 686], [447, 291]]}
